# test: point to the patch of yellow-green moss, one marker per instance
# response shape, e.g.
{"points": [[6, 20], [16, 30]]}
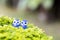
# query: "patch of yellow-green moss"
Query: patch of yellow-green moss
{"points": [[8, 32]]}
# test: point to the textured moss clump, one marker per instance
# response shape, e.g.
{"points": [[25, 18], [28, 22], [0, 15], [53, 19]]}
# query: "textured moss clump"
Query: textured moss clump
{"points": [[8, 32]]}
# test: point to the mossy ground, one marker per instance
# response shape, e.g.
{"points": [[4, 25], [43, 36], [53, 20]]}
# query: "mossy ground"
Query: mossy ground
{"points": [[9, 32]]}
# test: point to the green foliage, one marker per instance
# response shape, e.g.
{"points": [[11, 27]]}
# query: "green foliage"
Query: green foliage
{"points": [[8, 32], [4, 20], [33, 4]]}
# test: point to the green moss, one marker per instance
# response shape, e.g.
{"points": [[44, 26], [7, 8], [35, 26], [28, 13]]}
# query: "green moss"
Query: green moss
{"points": [[8, 32]]}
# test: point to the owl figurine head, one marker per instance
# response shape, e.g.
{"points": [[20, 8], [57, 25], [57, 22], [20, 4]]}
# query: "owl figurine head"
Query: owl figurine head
{"points": [[16, 23]]}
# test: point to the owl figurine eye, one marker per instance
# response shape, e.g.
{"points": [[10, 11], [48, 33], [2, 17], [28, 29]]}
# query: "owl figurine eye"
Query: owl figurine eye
{"points": [[16, 23], [24, 24]]}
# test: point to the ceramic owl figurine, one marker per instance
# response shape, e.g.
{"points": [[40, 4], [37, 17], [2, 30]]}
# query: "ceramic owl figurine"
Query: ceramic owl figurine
{"points": [[24, 24], [16, 23]]}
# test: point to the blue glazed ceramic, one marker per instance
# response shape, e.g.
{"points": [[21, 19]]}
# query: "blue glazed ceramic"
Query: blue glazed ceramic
{"points": [[24, 24], [16, 23]]}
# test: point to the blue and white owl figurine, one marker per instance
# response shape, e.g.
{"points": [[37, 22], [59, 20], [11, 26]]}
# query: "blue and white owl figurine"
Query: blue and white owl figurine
{"points": [[24, 24], [16, 23]]}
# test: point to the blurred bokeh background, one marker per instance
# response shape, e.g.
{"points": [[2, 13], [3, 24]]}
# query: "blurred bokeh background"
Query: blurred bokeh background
{"points": [[43, 13]]}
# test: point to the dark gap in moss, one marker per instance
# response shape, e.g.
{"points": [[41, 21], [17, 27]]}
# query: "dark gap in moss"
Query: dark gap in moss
{"points": [[2, 37]]}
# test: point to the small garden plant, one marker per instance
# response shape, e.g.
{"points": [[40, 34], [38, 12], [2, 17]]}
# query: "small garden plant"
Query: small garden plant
{"points": [[16, 29]]}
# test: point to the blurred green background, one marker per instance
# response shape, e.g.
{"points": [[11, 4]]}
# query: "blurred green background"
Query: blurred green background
{"points": [[50, 28]]}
